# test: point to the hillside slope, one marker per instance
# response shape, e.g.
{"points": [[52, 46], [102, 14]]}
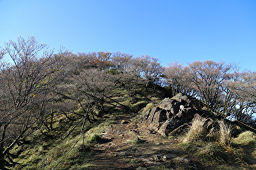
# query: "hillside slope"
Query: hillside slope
{"points": [[120, 141]]}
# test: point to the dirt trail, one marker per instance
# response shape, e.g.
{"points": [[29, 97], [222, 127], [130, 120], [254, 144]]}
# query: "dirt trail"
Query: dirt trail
{"points": [[134, 146]]}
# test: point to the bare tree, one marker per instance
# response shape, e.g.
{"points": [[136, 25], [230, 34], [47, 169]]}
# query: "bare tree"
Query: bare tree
{"points": [[245, 89], [148, 68], [179, 79], [207, 81], [23, 84], [122, 62]]}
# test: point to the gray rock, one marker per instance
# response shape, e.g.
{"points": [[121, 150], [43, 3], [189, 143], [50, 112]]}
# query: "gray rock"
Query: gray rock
{"points": [[172, 116]]}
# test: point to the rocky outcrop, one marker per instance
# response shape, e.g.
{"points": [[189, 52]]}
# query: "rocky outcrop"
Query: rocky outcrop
{"points": [[173, 115]]}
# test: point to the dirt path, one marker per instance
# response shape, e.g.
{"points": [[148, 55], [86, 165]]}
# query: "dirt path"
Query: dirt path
{"points": [[134, 146]]}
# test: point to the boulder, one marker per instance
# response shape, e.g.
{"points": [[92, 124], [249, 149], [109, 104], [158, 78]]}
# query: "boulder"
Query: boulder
{"points": [[173, 115]]}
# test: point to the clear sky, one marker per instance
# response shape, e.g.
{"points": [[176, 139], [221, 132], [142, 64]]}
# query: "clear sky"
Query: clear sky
{"points": [[170, 30]]}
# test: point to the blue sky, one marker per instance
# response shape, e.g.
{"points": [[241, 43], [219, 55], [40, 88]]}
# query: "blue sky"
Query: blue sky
{"points": [[170, 30]]}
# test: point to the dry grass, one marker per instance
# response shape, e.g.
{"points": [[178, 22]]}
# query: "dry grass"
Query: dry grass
{"points": [[224, 133], [245, 138], [196, 130]]}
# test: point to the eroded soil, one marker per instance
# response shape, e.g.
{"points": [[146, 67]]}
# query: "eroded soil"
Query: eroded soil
{"points": [[133, 146]]}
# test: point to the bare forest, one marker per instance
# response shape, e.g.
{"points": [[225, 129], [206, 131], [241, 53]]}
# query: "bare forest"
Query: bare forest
{"points": [[37, 85]]}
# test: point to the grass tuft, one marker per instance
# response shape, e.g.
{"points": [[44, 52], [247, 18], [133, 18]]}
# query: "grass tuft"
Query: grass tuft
{"points": [[224, 133], [245, 138], [196, 130], [147, 107]]}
